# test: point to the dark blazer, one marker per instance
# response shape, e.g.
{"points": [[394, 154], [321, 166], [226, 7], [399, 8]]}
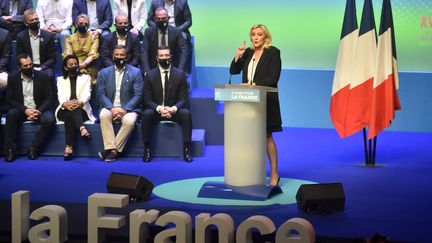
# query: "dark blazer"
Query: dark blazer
{"points": [[267, 73], [47, 47], [5, 50], [42, 91], [23, 5], [176, 42], [176, 91], [182, 14], [103, 12], [133, 48], [130, 92]]}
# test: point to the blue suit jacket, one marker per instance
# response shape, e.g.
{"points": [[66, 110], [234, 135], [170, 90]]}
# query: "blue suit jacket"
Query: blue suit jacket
{"points": [[131, 89], [103, 12]]}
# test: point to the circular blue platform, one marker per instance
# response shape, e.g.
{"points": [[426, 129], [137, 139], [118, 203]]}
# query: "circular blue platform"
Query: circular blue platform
{"points": [[187, 191]]}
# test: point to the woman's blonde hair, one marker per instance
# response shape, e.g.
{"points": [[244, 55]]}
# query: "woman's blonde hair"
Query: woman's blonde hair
{"points": [[268, 38], [82, 16]]}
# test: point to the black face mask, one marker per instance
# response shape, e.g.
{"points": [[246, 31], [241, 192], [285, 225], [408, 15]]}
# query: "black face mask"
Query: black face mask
{"points": [[119, 62], [165, 63], [73, 72], [28, 72], [82, 28], [162, 25], [122, 30], [34, 26]]}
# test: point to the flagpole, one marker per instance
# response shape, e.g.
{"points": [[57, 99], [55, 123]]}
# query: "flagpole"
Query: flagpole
{"points": [[374, 148], [365, 146], [369, 146]]}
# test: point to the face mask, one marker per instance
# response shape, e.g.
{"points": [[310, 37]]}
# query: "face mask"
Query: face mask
{"points": [[120, 62], [165, 63], [73, 72], [121, 30], [28, 72], [82, 28], [34, 26], [162, 25]]}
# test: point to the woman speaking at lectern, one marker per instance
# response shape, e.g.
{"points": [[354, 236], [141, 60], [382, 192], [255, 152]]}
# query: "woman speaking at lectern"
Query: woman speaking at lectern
{"points": [[261, 65]]}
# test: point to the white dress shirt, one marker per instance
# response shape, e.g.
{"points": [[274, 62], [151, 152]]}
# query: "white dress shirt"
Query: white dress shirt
{"points": [[92, 14], [119, 73], [56, 13], [35, 47], [28, 92], [170, 9], [251, 69]]}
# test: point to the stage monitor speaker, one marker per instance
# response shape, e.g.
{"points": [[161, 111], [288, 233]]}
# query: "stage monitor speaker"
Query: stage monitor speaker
{"points": [[137, 187], [321, 198]]}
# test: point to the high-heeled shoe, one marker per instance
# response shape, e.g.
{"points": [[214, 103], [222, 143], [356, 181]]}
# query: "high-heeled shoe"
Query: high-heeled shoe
{"points": [[84, 133], [277, 182], [67, 153]]}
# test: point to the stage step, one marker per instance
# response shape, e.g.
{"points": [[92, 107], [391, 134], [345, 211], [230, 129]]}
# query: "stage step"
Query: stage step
{"points": [[207, 114], [167, 140]]}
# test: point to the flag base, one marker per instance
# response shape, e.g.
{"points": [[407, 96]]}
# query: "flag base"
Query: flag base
{"points": [[212, 189], [370, 165]]}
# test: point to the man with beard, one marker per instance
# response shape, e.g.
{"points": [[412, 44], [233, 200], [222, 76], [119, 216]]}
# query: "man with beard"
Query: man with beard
{"points": [[166, 97], [29, 94], [119, 90], [163, 34], [122, 36]]}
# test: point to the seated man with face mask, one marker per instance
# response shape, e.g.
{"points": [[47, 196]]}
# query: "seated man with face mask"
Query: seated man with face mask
{"points": [[163, 34], [38, 43], [166, 97], [122, 36], [29, 94], [119, 90]]}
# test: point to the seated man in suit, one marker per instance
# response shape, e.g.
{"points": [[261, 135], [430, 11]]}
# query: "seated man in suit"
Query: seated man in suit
{"points": [[166, 98], [166, 35], [99, 12], [38, 43], [5, 57], [178, 12], [119, 90], [29, 94], [122, 36], [11, 15]]}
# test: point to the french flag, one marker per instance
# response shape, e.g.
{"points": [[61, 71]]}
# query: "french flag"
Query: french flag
{"points": [[360, 93], [386, 81], [344, 67]]}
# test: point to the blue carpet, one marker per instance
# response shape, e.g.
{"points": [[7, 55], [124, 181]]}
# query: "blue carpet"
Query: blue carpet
{"points": [[395, 199]]}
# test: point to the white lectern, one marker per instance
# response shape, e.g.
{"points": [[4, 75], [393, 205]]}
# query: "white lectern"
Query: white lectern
{"points": [[244, 144]]}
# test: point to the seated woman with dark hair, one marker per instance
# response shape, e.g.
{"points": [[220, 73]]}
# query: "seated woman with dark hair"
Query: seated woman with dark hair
{"points": [[73, 95], [83, 46]]}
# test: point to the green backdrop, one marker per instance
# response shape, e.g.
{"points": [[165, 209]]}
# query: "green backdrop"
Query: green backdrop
{"points": [[307, 32]]}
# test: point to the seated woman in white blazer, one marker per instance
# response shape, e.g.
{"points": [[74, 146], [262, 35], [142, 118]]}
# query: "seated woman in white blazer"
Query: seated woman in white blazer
{"points": [[73, 90]]}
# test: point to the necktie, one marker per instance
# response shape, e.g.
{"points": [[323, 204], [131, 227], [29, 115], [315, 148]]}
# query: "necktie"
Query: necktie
{"points": [[163, 41], [165, 85]]}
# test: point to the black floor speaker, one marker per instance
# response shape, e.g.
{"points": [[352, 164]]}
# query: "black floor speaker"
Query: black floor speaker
{"points": [[321, 198], [137, 187]]}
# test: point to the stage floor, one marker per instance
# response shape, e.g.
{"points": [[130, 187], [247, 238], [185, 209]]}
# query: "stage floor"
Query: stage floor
{"points": [[394, 200]]}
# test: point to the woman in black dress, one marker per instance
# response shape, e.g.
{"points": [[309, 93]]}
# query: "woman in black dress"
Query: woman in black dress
{"points": [[73, 91], [261, 65]]}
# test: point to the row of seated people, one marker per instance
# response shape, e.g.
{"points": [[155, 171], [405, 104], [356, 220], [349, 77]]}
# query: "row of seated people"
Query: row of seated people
{"points": [[40, 44], [121, 91], [57, 16]]}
